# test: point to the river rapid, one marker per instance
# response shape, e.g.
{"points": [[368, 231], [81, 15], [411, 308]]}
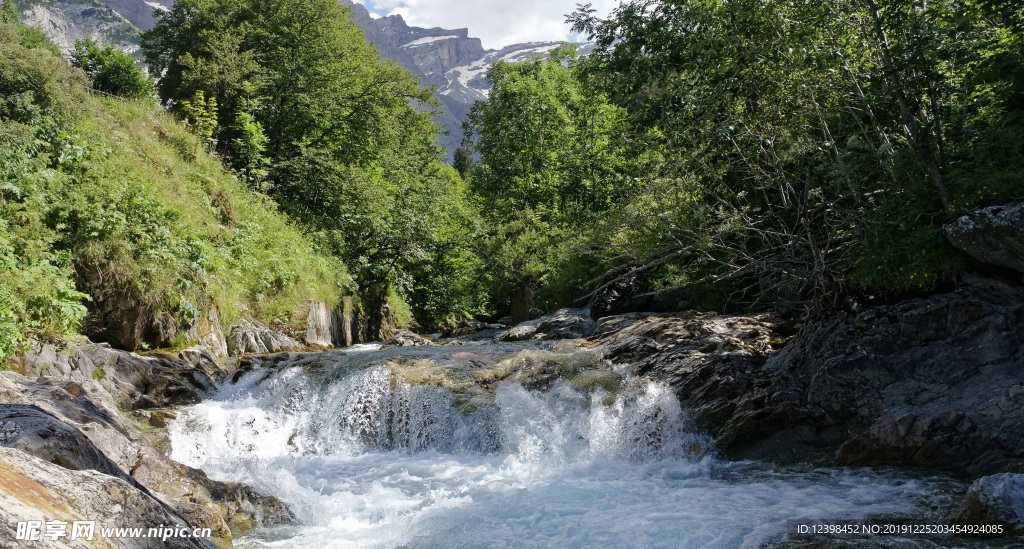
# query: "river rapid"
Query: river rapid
{"points": [[368, 455]]}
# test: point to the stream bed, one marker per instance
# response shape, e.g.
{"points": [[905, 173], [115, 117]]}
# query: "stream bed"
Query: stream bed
{"points": [[490, 446]]}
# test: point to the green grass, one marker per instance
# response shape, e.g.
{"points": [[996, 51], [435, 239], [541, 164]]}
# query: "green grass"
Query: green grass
{"points": [[114, 205]]}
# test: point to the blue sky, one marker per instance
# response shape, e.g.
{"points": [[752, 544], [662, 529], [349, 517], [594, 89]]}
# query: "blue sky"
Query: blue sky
{"points": [[497, 23]]}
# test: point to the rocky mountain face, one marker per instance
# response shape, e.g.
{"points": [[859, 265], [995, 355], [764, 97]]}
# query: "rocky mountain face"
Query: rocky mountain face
{"points": [[452, 61], [448, 59], [114, 22]]}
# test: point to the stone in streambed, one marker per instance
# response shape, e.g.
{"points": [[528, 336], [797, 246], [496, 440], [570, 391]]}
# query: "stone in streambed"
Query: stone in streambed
{"points": [[996, 499]]}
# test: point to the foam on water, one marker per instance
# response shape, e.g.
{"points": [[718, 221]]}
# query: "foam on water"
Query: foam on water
{"points": [[366, 461]]}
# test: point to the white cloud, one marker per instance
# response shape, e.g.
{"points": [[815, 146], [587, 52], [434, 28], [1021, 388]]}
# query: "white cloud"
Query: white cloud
{"points": [[497, 23]]}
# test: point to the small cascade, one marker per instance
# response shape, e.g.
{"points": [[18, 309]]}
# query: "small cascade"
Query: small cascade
{"points": [[373, 410], [501, 447]]}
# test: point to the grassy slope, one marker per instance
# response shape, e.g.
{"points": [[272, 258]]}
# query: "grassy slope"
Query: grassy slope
{"points": [[117, 200]]}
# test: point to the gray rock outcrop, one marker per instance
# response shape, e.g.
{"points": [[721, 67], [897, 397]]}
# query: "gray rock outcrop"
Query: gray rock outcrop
{"points": [[34, 489], [69, 413], [996, 499], [251, 338], [561, 324], [993, 235], [68, 22], [932, 382]]}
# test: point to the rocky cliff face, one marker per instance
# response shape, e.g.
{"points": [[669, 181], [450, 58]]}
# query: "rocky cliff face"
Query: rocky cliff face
{"points": [[449, 59], [68, 22]]}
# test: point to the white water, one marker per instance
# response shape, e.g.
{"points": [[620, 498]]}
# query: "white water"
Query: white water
{"points": [[364, 461]]}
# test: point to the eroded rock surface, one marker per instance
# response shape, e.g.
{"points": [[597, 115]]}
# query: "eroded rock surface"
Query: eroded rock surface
{"points": [[993, 235], [250, 338], [996, 499], [710, 360], [933, 382], [562, 324], [70, 414], [34, 489]]}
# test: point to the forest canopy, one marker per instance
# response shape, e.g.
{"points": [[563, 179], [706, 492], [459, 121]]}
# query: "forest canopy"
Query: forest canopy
{"points": [[773, 153]]}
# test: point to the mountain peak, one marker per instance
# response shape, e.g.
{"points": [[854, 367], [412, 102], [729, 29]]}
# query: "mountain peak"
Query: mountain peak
{"points": [[448, 59]]}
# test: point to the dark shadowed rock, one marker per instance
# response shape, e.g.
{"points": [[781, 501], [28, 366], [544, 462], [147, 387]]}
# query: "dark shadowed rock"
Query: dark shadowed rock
{"points": [[710, 360], [993, 235], [996, 499], [933, 382], [627, 290]]}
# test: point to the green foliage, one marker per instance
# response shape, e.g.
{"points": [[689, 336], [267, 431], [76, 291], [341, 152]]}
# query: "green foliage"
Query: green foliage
{"points": [[810, 147], [111, 70], [37, 297], [201, 114], [342, 140], [552, 161], [98, 197], [10, 14], [547, 140]]}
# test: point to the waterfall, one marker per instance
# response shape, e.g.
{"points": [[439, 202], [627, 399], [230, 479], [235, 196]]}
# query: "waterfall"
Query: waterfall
{"points": [[367, 459], [372, 410]]}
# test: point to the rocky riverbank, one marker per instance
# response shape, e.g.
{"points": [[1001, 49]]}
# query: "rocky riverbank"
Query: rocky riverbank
{"points": [[935, 382], [82, 439]]}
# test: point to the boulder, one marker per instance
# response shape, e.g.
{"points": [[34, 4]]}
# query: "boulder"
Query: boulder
{"points": [[405, 338], [32, 489], [993, 235], [996, 499], [567, 324], [253, 338], [617, 292], [933, 382], [710, 360], [200, 357], [562, 324]]}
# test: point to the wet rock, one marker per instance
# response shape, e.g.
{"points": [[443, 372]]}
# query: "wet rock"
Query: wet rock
{"points": [[253, 338], [932, 382], [710, 360], [201, 358], [996, 499], [562, 324], [405, 338], [78, 424], [993, 235], [34, 489]]}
